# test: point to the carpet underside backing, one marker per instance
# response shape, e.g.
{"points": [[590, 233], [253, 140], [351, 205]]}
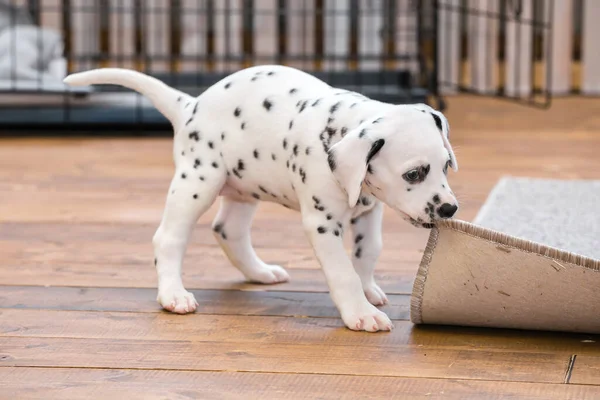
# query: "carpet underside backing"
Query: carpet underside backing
{"points": [[473, 275]]}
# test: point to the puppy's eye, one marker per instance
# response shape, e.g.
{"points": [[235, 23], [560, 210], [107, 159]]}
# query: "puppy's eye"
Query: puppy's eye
{"points": [[412, 175]]}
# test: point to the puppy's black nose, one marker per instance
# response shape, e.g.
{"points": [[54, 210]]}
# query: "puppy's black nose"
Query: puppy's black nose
{"points": [[447, 210]]}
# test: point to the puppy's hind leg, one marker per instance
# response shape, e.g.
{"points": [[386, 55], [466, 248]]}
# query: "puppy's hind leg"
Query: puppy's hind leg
{"points": [[366, 233], [231, 228], [190, 195]]}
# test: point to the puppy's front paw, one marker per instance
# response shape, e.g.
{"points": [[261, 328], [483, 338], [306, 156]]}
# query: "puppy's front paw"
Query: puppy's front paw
{"points": [[367, 318], [268, 274], [375, 295], [177, 301]]}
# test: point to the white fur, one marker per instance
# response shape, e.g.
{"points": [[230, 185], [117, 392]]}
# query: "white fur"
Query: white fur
{"points": [[260, 153]]}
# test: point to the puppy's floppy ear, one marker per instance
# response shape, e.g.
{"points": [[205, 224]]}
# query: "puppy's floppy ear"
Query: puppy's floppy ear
{"points": [[444, 127], [349, 159]]}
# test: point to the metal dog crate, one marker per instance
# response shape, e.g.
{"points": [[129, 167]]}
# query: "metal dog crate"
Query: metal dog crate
{"points": [[386, 49]]}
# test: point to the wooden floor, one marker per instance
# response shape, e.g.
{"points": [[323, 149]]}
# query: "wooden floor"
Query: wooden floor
{"points": [[78, 316]]}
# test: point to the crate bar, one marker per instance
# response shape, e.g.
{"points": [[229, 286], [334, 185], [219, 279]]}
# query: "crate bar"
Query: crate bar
{"points": [[449, 46], [562, 46], [483, 35], [336, 33], [519, 49], [590, 57]]}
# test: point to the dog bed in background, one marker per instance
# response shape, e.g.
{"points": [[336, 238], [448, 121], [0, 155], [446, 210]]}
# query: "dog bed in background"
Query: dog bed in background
{"points": [[473, 275]]}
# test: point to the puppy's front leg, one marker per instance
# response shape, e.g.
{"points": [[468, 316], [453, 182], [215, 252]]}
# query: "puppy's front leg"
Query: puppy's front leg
{"points": [[366, 234], [344, 283]]}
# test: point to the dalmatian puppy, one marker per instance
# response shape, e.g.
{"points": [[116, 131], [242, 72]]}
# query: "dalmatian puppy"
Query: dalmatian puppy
{"points": [[274, 133]]}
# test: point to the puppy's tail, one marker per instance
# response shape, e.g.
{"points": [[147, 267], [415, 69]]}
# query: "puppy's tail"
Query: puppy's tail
{"points": [[165, 98]]}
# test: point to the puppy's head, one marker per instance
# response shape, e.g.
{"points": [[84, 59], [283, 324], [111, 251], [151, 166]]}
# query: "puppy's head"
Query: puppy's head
{"points": [[402, 157]]}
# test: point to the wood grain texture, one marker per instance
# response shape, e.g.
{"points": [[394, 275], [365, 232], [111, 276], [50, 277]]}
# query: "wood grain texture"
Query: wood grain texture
{"points": [[222, 302], [76, 221], [586, 369], [77, 383], [316, 358]]}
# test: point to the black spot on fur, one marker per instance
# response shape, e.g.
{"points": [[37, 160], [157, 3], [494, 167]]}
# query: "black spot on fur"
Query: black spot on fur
{"points": [[262, 189], [362, 133], [291, 124], [438, 121], [243, 125], [365, 201], [331, 161], [358, 238], [195, 135], [330, 120], [202, 178], [353, 221], [303, 106], [293, 167], [295, 150], [358, 252], [255, 152], [211, 145], [408, 190], [240, 165], [319, 207], [284, 144], [287, 163], [336, 232], [339, 224], [378, 120], [179, 99], [237, 173], [273, 156], [369, 169], [307, 151], [218, 228], [344, 131], [195, 196], [227, 85], [444, 186], [271, 73], [293, 90], [353, 105], [215, 165], [267, 104], [224, 235], [436, 199], [223, 136], [155, 262], [195, 109], [183, 176], [197, 163], [237, 112], [183, 153], [329, 217], [335, 107], [321, 229], [377, 145], [316, 102], [316, 199], [330, 131], [256, 196]]}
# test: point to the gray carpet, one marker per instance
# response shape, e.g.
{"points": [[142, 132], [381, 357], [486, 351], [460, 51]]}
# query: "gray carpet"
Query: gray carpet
{"points": [[560, 213]]}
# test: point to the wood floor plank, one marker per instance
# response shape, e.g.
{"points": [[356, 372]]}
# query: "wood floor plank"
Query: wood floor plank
{"points": [[219, 276], [230, 302], [122, 256], [586, 369], [316, 358], [86, 384], [280, 330]]}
